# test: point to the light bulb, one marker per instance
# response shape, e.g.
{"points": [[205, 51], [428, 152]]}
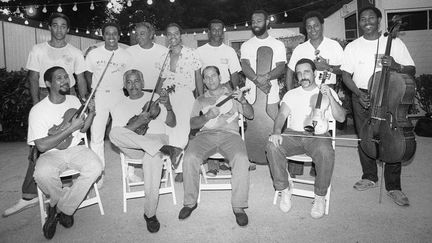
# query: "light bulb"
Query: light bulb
{"points": [[224, 28], [235, 27], [26, 22], [109, 5], [75, 7], [9, 19], [129, 3], [272, 18], [31, 10], [44, 10], [91, 6], [204, 32], [76, 30], [121, 33], [133, 31], [40, 25], [285, 14], [17, 11], [162, 35], [194, 33], [149, 2], [172, 1], [128, 34], [246, 25], [59, 9], [87, 32], [96, 33]]}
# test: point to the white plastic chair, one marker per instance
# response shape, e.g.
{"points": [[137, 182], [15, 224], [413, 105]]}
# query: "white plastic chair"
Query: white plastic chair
{"points": [[129, 193], [205, 184], [305, 158], [43, 200]]}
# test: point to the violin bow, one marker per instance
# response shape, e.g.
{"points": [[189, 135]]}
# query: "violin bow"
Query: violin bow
{"points": [[159, 78], [81, 110], [315, 136]]}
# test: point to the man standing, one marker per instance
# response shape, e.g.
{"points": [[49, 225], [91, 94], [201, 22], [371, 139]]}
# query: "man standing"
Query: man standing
{"points": [[362, 58], [148, 146], [216, 53], [263, 60], [147, 54], [297, 105], [55, 52], [327, 55], [43, 133], [110, 90], [219, 131]]}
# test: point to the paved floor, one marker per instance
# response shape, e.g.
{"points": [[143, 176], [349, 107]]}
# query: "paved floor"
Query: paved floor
{"points": [[354, 216]]}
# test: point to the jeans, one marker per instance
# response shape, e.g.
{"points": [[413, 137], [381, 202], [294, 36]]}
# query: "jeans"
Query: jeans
{"points": [[52, 163], [233, 148], [392, 171], [145, 147], [320, 150]]}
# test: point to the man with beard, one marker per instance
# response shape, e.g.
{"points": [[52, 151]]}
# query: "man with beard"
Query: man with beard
{"points": [[149, 147], [297, 105], [361, 60], [216, 53], [146, 56], [55, 52], [110, 90], [43, 118], [327, 55], [263, 60]]}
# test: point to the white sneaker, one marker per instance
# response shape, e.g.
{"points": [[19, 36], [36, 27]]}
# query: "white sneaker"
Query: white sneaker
{"points": [[285, 202], [318, 207], [20, 206]]}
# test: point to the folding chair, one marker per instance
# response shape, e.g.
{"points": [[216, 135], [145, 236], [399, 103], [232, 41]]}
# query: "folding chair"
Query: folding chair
{"points": [[205, 184], [43, 200], [129, 193], [305, 158]]}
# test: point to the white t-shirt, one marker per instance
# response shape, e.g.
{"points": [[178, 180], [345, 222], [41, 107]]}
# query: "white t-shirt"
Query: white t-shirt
{"points": [[328, 49], [359, 58], [43, 56], [147, 61], [301, 102], [224, 57], [249, 51], [127, 108], [97, 60], [44, 115]]}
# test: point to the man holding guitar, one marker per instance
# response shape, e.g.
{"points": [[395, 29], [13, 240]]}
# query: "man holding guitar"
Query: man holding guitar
{"points": [[219, 132], [298, 105], [52, 162]]}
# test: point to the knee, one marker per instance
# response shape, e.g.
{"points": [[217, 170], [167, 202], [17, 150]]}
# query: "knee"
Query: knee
{"points": [[43, 171]]}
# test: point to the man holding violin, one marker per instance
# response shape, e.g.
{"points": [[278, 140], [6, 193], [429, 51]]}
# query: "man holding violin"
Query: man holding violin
{"points": [[298, 106], [128, 118], [47, 131], [362, 58], [219, 132]]}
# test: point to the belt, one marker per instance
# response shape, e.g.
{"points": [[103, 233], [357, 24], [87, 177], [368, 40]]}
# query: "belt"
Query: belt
{"points": [[364, 90], [43, 89]]}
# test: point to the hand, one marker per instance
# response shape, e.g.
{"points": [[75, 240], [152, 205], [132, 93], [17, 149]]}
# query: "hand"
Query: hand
{"points": [[212, 113], [364, 100], [276, 139], [265, 87], [165, 100], [76, 123], [325, 90], [239, 95], [321, 63], [388, 61]]}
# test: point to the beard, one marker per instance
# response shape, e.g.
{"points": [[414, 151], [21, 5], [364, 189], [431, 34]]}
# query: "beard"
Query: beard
{"points": [[259, 31], [65, 91]]}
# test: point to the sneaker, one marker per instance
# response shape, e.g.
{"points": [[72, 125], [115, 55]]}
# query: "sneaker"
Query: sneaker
{"points": [[212, 173], [252, 167], [49, 228], [153, 224], [20, 206], [241, 216], [318, 207], [224, 166], [66, 220], [398, 197], [175, 154], [364, 184], [285, 202]]}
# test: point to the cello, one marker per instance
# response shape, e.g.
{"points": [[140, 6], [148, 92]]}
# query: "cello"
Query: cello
{"points": [[387, 135]]}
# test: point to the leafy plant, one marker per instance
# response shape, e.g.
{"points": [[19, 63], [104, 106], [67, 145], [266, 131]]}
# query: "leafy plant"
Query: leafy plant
{"points": [[424, 93], [15, 105]]}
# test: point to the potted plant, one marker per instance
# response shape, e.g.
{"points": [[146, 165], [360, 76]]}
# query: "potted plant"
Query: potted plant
{"points": [[424, 98]]}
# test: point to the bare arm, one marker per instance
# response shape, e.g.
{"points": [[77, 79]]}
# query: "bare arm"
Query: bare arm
{"points": [[289, 79], [88, 76], [198, 122], [235, 79], [247, 70], [276, 137], [33, 78], [338, 111], [199, 85], [82, 85]]}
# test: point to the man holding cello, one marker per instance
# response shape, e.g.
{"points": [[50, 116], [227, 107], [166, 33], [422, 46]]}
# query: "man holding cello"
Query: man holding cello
{"points": [[298, 106], [362, 59]]}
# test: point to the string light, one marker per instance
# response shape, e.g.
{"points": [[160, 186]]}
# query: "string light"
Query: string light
{"points": [[285, 14], [272, 18], [76, 30], [40, 25], [31, 11], [172, 1], [59, 9], [44, 10], [129, 3], [109, 5], [26, 22], [121, 33], [92, 6], [149, 2], [204, 32], [133, 31], [128, 34], [194, 33], [235, 27], [17, 11], [75, 7], [87, 32], [96, 33], [246, 25], [224, 28], [9, 19]]}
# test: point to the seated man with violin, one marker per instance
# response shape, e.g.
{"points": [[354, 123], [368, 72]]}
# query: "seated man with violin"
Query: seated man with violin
{"points": [[304, 112], [139, 131], [56, 131], [219, 132]]}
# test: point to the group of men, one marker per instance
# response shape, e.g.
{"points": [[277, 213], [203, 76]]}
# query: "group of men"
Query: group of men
{"points": [[175, 73]]}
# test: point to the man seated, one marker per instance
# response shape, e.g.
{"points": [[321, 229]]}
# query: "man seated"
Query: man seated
{"points": [[128, 117], [219, 132], [298, 105], [60, 146]]}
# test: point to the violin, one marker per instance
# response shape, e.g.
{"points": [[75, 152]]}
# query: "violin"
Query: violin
{"points": [[318, 121], [387, 135], [72, 112], [225, 104]]}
